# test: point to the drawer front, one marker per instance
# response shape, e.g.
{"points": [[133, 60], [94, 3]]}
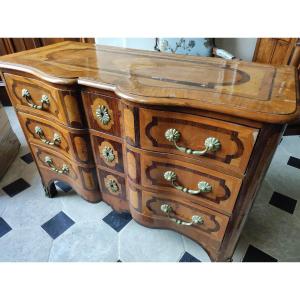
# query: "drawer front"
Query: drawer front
{"points": [[107, 152], [212, 142], [201, 224], [36, 97], [102, 112], [55, 166], [194, 184], [70, 142], [113, 189]]}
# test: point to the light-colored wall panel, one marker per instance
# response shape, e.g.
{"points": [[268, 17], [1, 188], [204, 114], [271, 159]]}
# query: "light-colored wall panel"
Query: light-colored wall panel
{"points": [[240, 47]]}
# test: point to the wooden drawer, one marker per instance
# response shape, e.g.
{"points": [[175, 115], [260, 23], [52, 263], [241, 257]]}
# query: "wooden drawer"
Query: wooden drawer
{"points": [[70, 142], [113, 189], [107, 152], [236, 141], [214, 190], [209, 231], [102, 112], [58, 105], [55, 166]]}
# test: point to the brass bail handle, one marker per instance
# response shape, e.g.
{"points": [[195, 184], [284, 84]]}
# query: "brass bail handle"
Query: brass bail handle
{"points": [[49, 161], [167, 209], [56, 137], [203, 186], [44, 100], [211, 144]]}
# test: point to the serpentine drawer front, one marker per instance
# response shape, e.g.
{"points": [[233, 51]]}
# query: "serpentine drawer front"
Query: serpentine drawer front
{"points": [[39, 98], [71, 142], [199, 223], [195, 184], [180, 142], [55, 166], [212, 142]]}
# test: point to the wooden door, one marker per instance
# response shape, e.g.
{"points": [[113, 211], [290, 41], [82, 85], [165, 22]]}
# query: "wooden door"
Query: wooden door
{"points": [[275, 51]]}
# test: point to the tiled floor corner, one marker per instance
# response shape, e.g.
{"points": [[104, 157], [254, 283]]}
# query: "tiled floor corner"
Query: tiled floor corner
{"points": [[67, 228]]}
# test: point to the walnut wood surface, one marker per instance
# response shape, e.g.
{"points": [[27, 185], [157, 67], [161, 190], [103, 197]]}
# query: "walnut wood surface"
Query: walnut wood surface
{"points": [[99, 141], [117, 199], [150, 174], [92, 102], [143, 94], [274, 51], [209, 234], [224, 188], [81, 177], [236, 141], [64, 106], [74, 143], [253, 91]]}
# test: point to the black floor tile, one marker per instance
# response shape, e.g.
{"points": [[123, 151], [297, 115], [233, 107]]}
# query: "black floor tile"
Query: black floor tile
{"points": [[255, 255], [63, 186], [283, 202], [4, 227], [58, 225], [187, 257], [117, 220], [294, 162], [16, 187], [27, 158]]}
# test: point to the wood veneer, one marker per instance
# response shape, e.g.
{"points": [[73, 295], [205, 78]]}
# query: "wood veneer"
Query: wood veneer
{"points": [[112, 107]]}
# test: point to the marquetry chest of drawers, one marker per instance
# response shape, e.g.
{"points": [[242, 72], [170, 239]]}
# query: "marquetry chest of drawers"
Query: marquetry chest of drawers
{"points": [[180, 142]]}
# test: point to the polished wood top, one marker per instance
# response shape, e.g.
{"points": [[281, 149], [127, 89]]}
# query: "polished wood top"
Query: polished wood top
{"points": [[249, 90]]}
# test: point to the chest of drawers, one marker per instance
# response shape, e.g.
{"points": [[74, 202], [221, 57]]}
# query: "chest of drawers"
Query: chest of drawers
{"points": [[180, 142]]}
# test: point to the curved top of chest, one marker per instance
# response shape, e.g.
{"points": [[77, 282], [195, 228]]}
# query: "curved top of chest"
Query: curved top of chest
{"points": [[248, 90]]}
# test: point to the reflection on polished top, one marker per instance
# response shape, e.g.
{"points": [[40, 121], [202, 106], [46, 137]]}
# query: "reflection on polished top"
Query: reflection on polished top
{"points": [[254, 91]]}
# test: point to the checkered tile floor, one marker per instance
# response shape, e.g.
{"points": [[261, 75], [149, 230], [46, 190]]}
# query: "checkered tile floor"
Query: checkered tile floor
{"points": [[67, 228]]}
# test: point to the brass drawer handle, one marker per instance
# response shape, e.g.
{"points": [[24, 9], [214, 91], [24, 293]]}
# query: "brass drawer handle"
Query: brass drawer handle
{"points": [[111, 185], [102, 114], [203, 186], [211, 144], [45, 100], [64, 170], [167, 209], [108, 154], [40, 133]]}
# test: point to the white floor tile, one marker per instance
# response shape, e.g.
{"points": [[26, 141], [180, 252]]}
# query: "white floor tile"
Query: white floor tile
{"points": [[26, 244], [87, 242], [138, 243], [82, 211]]}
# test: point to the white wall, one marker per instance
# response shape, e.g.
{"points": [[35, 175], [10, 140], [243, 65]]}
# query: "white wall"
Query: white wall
{"points": [[240, 47], [136, 43]]}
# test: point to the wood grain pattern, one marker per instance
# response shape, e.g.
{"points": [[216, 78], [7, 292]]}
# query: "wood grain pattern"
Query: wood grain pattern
{"points": [[243, 105], [117, 199], [274, 51], [150, 174], [74, 143], [83, 179], [63, 108], [210, 234], [92, 101], [99, 142], [236, 141], [252, 91]]}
